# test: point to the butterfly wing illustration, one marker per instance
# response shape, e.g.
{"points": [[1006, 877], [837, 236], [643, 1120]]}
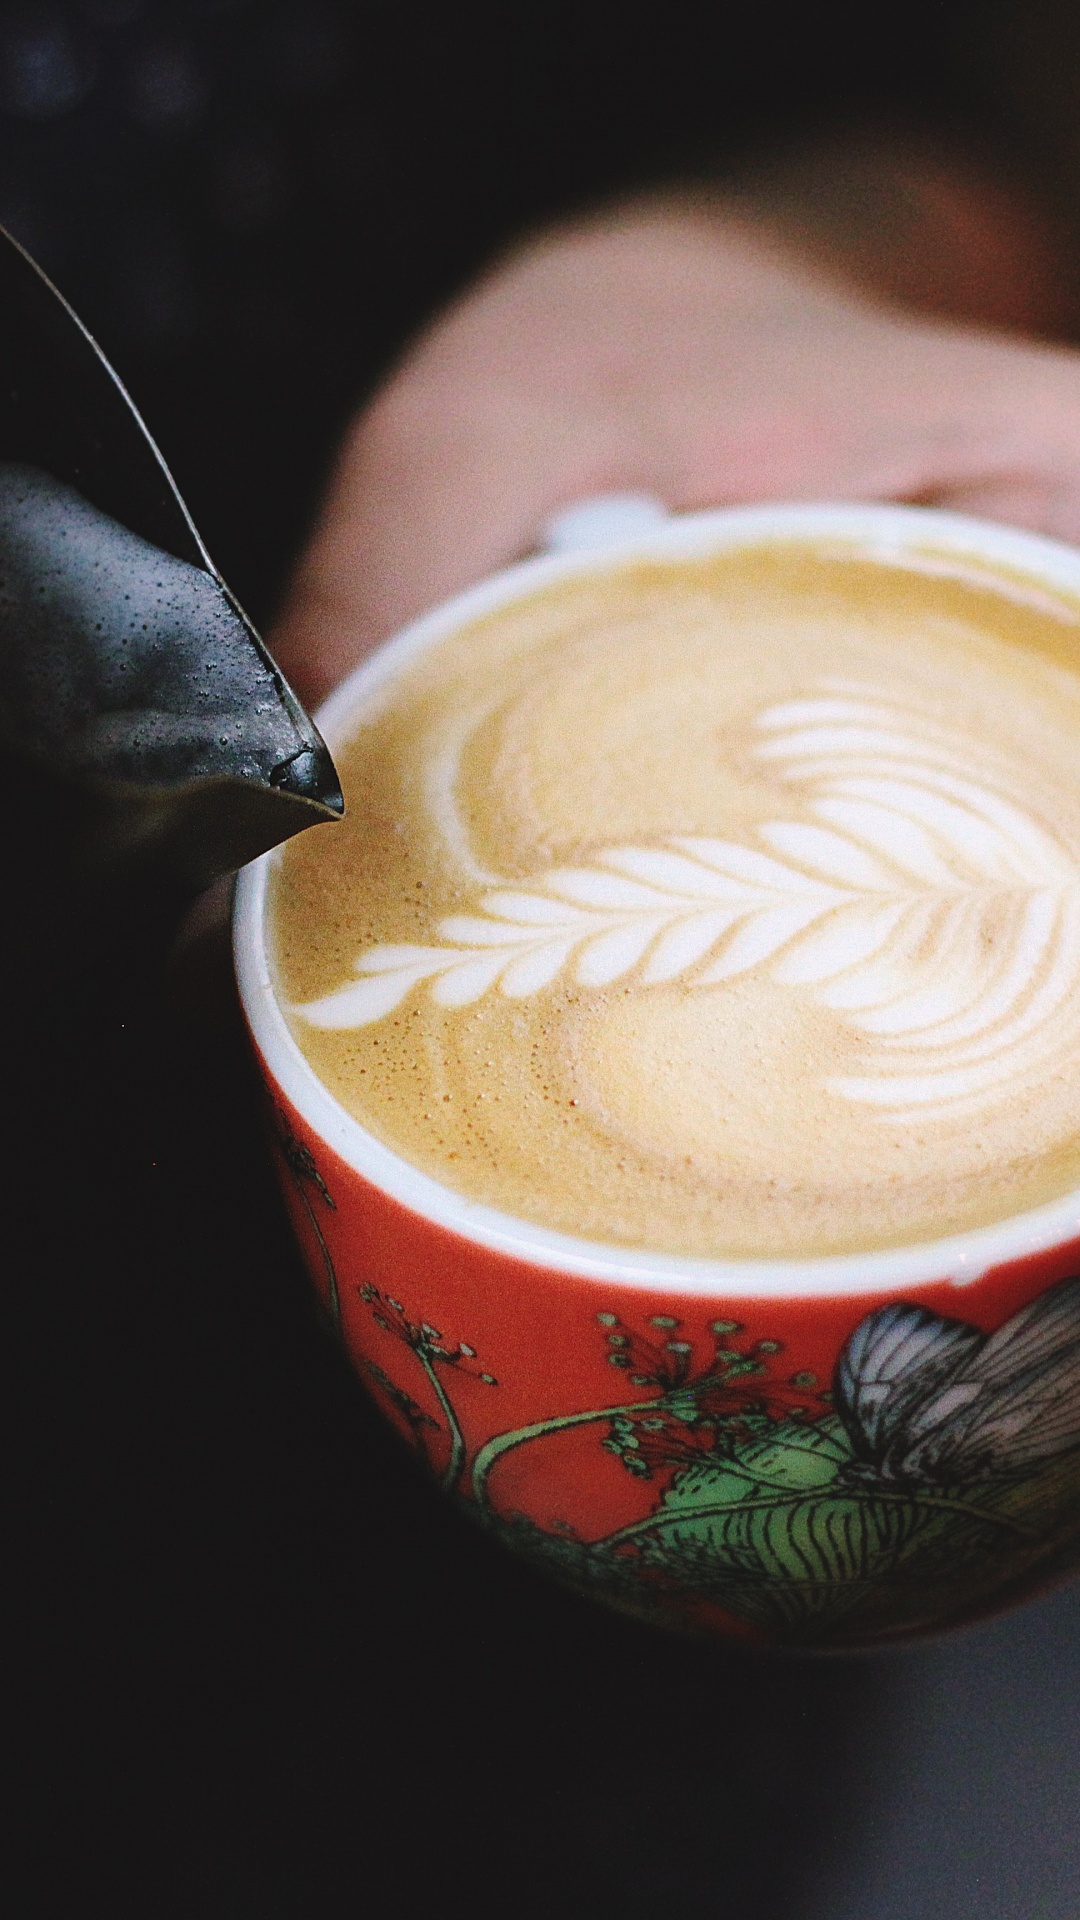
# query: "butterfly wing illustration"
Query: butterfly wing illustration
{"points": [[897, 1364], [1026, 1404], [931, 1400]]}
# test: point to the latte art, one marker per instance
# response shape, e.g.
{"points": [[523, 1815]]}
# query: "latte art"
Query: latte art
{"points": [[851, 902], [928, 910]]}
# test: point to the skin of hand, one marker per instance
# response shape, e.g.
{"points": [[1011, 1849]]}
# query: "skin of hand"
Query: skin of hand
{"points": [[684, 349]]}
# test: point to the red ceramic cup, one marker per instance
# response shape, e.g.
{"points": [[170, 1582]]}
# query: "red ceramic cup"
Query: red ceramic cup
{"points": [[820, 1453]]}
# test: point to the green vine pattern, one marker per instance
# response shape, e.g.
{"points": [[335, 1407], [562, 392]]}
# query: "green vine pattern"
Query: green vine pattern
{"points": [[772, 1505], [935, 1473]]}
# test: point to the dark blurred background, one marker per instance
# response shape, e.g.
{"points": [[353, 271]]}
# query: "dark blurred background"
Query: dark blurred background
{"points": [[253, 204], [258, 1670]]}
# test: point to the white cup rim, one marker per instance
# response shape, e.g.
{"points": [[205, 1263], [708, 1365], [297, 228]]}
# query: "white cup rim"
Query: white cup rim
{"points": [[961, 1258]]}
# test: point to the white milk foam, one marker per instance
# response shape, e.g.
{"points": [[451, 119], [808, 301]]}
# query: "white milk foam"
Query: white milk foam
{"points": [[842, 1010]]}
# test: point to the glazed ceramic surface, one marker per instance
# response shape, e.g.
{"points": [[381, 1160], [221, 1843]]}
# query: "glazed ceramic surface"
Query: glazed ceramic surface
{"points": [[815, 1453]]}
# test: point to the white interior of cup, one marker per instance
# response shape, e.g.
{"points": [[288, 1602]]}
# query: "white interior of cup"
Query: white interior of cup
{"points": [[889, 532]]}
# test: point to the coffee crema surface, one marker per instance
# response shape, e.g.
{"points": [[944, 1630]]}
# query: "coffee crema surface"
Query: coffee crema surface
{"points": [[726, 907]]}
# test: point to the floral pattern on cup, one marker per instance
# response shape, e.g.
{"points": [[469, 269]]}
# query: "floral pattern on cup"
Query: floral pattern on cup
{"points": [[937, 1468], [943, 1464]]}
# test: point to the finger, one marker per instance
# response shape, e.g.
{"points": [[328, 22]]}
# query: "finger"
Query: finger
{"points": [[420, 507], [1039, 502]]}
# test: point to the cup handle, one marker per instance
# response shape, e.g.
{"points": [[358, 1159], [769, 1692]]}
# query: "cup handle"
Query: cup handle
{"points": [[605, 520]]}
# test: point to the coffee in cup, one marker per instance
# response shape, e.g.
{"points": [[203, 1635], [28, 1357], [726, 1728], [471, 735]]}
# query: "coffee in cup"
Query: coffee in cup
{"points": [[673, 1064], [725, 907]]}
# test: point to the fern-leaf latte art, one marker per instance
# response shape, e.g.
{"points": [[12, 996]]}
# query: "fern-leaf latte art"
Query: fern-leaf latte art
{"points": [[721, 907]]}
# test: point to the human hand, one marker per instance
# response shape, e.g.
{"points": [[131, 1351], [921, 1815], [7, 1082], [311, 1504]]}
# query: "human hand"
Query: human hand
{"points": [[681, 349]]}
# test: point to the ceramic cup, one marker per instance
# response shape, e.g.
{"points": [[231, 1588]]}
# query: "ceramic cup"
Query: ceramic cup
{"points": [[787, 1451]]}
